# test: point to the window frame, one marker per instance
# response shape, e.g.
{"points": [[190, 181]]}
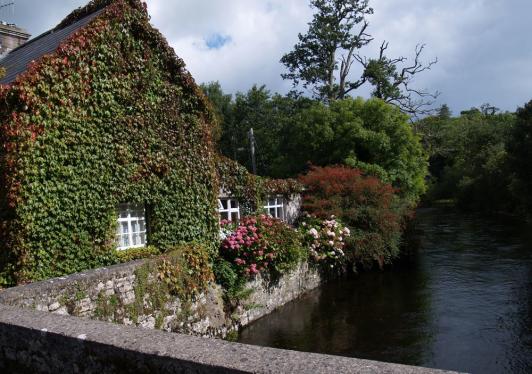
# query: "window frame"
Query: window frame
{"points": [[230, 208], [130, 219], [279, 203]]}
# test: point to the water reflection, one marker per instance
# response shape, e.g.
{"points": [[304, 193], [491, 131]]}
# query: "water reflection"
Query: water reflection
{"points": [[464, 303]]}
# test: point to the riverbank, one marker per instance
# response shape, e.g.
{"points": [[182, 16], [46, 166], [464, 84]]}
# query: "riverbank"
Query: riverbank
{"points": [[130, 294]]}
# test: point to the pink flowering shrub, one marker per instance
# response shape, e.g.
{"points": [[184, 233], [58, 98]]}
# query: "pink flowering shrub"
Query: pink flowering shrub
{"points": [[325, 239], [260, 243]]}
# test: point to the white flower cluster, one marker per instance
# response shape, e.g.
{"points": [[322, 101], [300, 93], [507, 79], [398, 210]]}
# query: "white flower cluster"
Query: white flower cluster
{"points": [[225, 232], [327, 240]]}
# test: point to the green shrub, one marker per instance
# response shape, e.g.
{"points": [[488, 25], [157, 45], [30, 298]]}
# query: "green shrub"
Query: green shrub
{"points": [[133, 254], [186, 270], [227, 276]]}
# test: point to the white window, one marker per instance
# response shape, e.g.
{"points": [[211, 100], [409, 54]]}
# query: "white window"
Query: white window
{"points": [[275, 207], [229, 209], [131, 226]]}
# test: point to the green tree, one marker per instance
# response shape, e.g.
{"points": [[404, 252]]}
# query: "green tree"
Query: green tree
{"points": [[254, 110], [322, 59], [267, 114], [468, 158], [444, 112], [293, 132], [370, 135], [520, 155], [223, 107]]}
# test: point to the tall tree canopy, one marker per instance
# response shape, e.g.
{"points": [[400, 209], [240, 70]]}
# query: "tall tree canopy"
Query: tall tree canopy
{"points": [[520, 156], [392, 79], [292, 133], [370, 135], [322, 59], [468, 158], [336, 33]]}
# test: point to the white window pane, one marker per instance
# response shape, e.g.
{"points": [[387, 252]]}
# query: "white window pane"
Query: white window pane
{"points": [[224, 204], [125, 241], [234, 204], [224, 215], [131, 226], [136, 239], [234, 216]]}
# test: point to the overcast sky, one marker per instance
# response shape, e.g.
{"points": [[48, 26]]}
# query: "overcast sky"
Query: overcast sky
{"points": [[484, 47]]}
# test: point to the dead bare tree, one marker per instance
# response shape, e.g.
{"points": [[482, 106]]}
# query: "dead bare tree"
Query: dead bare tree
{"points": [[347, 62], [392, 82]]}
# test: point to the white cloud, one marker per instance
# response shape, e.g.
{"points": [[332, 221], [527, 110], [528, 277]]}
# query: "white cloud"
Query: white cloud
{"points": [[482, 45], [260, 33]]}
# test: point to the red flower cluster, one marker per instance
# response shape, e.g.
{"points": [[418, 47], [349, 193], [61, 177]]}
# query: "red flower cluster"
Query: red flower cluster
{"points": [[247, 247]]}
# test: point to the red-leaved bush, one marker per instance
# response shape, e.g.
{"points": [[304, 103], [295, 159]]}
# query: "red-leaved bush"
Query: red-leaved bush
{"points": [[364, 203]]}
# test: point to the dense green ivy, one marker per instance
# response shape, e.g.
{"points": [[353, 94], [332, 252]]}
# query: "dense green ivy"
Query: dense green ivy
{"points": [[111, 116]]}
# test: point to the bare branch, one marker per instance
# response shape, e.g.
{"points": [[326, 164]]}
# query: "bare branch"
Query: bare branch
{"points": [[392, 83]]}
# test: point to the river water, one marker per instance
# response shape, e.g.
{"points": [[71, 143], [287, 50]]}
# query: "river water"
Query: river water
{"points": [[463, 302]]}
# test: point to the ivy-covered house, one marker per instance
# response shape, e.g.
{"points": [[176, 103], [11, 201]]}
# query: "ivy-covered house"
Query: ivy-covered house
{"points": [[105, 144], [99, 119]]}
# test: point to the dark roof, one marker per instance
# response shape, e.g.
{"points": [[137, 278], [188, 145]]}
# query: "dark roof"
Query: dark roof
{"points": [[17, 61]]}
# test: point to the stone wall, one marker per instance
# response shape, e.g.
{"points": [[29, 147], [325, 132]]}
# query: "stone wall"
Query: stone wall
{"points": [[293, 208], [128, 294]]}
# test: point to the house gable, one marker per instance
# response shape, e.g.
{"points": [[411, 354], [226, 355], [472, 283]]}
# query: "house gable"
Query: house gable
{"points": [[18, 60]]}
